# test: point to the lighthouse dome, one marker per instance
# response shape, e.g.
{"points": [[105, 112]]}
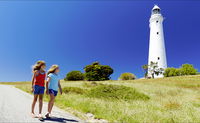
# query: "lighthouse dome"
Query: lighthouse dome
{"points": [[156, 9]]}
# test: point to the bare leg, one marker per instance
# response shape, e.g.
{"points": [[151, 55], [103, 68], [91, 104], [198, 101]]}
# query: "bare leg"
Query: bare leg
{"points": [[40, 103], [51, 102], [33, 103], [49, 105]]}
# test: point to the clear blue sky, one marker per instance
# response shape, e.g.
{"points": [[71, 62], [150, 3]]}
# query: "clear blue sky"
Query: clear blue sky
{"points": [[73, 34]]}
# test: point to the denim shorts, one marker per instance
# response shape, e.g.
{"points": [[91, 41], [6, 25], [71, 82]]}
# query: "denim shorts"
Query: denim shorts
{"points": [[51, 91], [38, 89]]}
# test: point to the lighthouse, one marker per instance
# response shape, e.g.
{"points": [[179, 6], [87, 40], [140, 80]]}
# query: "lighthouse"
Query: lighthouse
{"points": [[157, 53]]}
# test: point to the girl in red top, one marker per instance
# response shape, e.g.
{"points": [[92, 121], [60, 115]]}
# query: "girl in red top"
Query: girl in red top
{"points": [[38, 82]]}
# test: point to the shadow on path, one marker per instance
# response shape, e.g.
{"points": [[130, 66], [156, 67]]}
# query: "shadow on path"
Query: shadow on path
{"points": [[58, 119]]}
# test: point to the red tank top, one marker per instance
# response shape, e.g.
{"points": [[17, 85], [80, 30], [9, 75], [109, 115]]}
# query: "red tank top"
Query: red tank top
{"points": [[39, 79]]}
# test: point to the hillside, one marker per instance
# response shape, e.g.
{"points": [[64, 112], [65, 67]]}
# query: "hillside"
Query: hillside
{"points": [[175, 99]]}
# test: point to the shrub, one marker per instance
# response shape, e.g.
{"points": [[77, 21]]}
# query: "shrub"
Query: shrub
{"points": [[185, 69], [188, 69], [74, 76], [154, 69], [75, 90], [127, 76], [172, 72], [117, 92], [97, 72]]}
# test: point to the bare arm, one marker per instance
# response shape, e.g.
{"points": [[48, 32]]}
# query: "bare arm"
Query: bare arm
{"points": [[32, 80], [60, 88], [33, 77], [47, 85]]}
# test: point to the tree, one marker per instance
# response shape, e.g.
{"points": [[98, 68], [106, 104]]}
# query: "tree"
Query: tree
{"points": [[74, 76], [97, 72], [154, 69], [145, 68], [127, 76]]}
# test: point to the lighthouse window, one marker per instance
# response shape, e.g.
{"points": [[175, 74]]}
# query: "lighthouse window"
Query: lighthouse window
{"points": [[157, 33], [156, 11], [158, 58]]}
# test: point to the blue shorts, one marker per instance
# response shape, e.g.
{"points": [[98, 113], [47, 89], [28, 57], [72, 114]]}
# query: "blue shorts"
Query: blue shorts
{"points": [[38, 89], [51, 91]]}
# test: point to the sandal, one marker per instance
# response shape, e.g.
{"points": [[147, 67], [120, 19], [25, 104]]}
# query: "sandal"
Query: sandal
{"points": [[33, 115], [40, 116]]}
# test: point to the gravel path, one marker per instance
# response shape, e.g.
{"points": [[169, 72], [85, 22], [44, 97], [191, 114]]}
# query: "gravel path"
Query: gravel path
{"points": [[15, 106]]}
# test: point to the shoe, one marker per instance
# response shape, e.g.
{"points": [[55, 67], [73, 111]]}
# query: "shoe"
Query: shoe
{"points": [[47, 115]]}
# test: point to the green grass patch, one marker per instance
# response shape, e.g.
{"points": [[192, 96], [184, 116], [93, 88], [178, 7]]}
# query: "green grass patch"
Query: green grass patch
{"points": [[118, 92], [91, 84], [75, 90]]}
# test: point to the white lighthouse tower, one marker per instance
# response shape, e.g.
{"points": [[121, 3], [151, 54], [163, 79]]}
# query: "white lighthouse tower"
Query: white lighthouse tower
{"points": [[157, 52]]}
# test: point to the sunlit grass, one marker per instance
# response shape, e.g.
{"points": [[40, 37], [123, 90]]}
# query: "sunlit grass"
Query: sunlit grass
{"points": [[174, 99]]}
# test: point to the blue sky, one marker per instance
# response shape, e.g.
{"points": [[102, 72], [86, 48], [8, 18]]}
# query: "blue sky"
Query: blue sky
{"points": [[73, 34]]}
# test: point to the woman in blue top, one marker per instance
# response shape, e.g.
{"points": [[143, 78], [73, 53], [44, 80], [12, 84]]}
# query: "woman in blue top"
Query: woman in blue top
{"points": [[52, 85]]}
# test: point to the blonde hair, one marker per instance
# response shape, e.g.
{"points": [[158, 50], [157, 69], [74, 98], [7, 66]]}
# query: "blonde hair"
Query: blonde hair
{"points": [[38, 65], [52, 69]]}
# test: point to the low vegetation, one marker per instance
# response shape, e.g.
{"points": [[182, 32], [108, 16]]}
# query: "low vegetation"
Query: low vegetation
{"points": [[185, 69], [116, 92], [75, 90], [91, 84], [127, 76], [171, 99], [152, 69], [74, 76]]}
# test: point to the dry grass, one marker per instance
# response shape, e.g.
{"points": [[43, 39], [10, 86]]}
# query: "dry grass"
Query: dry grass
{"points": [[175, 99], [172, 105]]}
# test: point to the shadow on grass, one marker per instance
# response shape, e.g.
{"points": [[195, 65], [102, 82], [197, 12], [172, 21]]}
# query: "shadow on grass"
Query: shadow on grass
{"points": [[58, 119]]}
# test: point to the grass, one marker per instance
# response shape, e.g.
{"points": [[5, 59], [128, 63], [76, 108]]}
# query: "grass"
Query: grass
{"points": [[116, 92], [75, 90], [173, 99]]}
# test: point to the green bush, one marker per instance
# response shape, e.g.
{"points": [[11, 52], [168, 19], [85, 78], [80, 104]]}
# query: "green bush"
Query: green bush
{"points": [[74, 76], [185, 69], [97, 72], [117, 92], [172, 72], [127, 76], [75, 90], [188, 69]]}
